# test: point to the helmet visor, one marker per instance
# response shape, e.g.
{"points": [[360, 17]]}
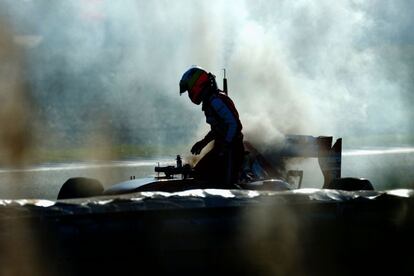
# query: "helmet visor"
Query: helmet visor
{"points": [[183, 86]]}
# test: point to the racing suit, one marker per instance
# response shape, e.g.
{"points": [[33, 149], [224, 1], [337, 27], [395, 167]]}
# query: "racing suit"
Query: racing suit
{"points": [[223, 163]]}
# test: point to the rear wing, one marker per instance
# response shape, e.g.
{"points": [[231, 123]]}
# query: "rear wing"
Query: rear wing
{"points": [[329, 156]]}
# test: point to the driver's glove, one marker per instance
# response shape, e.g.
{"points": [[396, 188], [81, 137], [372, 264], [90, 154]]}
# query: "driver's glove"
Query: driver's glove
{"points": [[196, 149]]}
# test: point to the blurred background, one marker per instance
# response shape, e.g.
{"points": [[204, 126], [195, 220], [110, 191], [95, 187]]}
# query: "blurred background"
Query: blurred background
{"points": [[90, 87]]}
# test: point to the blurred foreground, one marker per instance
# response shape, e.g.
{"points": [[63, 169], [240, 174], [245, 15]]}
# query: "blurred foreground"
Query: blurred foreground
{"points": [[303, 232]]}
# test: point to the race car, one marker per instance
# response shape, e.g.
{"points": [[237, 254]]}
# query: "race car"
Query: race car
{"points": [[261, 171]]}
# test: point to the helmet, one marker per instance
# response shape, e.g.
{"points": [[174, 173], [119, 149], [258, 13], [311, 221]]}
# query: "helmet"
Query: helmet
{"points": [[196, 80]]}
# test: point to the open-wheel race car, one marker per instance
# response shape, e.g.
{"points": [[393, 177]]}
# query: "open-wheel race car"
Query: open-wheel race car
{"points": [[261, 171]]}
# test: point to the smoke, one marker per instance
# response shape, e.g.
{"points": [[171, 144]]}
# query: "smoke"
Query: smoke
{"points": [[339, 57], [293, 67]]}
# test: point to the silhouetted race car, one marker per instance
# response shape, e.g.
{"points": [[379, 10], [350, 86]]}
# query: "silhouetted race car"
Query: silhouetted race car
{"points": [[261, 171]]}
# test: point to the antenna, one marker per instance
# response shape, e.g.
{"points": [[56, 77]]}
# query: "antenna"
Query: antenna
{"points": [[225, 82]]}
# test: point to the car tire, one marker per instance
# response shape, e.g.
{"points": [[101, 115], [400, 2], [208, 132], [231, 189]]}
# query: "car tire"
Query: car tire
{"points": [[79, 187], [350, 184]]}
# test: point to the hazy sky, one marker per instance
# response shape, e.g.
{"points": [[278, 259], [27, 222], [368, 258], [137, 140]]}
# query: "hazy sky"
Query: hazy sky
{"points": [[302, 67]]}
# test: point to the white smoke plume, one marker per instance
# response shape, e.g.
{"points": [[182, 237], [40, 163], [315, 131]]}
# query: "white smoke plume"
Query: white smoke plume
{"points": [[293, 67]]}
